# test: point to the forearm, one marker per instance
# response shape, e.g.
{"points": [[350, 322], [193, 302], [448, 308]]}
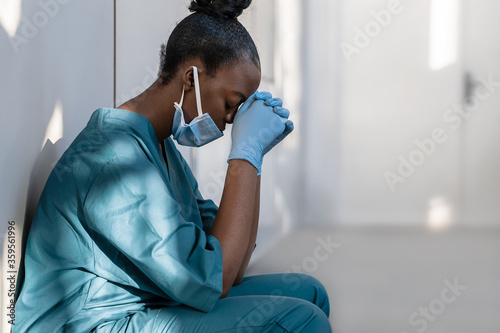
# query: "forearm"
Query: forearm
{"points": [[233, 224], [253, 235]]}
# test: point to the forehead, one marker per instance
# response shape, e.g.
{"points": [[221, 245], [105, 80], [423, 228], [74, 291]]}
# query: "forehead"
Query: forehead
{"points": [[243, 77]]}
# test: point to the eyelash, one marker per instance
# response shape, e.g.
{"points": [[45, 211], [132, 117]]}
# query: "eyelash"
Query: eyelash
{"points": [[237, 106]]}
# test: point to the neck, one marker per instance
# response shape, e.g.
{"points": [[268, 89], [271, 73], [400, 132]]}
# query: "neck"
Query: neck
{"points": [[156, 104]]}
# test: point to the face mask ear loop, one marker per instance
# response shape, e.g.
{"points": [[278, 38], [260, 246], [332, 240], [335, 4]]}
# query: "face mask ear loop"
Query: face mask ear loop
{"points": [[197, 90], [182, 96]]}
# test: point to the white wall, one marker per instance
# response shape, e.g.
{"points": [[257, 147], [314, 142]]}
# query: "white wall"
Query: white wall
{"points": [[391, 97], [56, 65], [364, 111]]}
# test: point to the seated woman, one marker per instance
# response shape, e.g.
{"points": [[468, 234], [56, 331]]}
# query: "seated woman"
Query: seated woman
{"points": [[123, 241]]}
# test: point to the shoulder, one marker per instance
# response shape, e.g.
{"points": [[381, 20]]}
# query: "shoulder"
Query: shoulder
{"points": [[112, 139], [116, 134]]}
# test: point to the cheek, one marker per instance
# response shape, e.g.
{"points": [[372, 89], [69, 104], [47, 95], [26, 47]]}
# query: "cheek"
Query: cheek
{"points": [[216, 109], [214, 103]]}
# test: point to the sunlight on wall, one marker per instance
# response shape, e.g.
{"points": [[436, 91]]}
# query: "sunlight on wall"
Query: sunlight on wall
{"points": [[443, 37], [54, 129], [288, 62], [10, 15], [440, 213]]}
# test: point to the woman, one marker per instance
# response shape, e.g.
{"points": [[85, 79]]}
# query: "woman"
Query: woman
{"points": [[123, 241]]}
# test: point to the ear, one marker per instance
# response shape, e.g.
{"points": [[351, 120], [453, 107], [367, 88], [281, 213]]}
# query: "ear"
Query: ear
{"points": [[188, 78]]}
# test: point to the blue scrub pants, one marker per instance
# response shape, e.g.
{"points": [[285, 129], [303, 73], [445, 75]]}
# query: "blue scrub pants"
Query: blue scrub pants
{"points": [[285, 302]]}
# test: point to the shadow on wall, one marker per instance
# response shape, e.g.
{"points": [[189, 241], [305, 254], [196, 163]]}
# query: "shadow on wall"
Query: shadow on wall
{"points": [[57, 68], [41, 171], [28, 106]]}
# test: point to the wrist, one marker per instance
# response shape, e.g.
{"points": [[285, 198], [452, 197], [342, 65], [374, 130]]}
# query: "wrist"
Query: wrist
{"points": [[251, 156], [237, 165], [242, 162]]}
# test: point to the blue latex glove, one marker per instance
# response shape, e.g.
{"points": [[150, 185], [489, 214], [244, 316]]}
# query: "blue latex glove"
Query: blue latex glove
{"points": [[277, 104], [257, 128]]}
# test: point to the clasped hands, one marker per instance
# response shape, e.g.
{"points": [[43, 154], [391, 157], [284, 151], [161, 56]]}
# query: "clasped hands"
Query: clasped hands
{"points": [[259, 125]]}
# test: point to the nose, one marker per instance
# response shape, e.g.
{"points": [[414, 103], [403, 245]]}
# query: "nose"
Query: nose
{"points": [[230, 117]]}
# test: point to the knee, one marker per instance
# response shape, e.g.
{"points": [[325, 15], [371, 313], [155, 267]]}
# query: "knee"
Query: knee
{"points": [[317, 290], [284, 314], [310, 318]]}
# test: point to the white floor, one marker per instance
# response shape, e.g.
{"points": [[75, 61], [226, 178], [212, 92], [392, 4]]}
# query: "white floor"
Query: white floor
{"points": [[378, 279]]}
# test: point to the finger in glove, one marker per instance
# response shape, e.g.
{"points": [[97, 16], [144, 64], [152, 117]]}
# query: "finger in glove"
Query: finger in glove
{"points": [[282, 112], [274, 102]]}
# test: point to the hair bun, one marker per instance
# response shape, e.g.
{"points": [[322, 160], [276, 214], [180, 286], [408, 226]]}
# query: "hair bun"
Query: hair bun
{"points": [[220, 8]]}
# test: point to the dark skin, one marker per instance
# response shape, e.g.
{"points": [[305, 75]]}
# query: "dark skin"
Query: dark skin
{"points": [[236, 223]]}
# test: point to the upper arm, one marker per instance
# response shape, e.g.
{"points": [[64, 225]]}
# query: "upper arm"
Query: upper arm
{"points": [[130, 206]]}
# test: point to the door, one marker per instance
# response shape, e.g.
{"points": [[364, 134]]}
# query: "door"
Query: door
{"points": [[481, 125]]}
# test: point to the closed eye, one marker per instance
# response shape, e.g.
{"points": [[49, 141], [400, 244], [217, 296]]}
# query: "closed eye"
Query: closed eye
{"points": [[237, 106]]}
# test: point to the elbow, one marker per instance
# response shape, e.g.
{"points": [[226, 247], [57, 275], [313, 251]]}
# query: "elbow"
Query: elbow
{"points": [[224, 293], [228, 284], [238, 280]]}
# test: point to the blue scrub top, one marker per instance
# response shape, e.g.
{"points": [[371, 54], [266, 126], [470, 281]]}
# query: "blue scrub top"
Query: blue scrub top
{"points": [[116, 231]]}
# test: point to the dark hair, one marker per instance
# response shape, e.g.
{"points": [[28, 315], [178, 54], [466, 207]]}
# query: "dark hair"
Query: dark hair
{"points": [[213, 34]]}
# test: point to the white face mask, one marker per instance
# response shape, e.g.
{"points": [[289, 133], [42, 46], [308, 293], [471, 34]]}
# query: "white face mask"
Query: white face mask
{"points": [[201, 130]]}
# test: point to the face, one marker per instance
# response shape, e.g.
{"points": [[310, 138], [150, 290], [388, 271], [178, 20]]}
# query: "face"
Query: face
{"points": [[222, 94]]}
